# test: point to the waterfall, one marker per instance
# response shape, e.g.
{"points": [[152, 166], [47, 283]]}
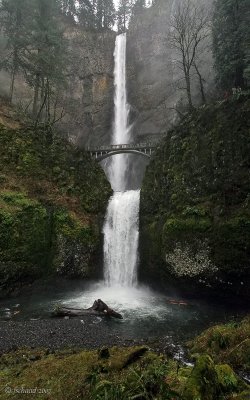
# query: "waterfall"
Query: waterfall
{"points": [[121, 228], [117, 170], [121, 239]]}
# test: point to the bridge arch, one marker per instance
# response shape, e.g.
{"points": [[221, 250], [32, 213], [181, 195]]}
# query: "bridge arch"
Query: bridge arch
{"points": [[102, 157]]}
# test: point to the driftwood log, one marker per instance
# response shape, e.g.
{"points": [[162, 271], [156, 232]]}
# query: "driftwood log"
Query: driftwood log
{"points": [[99, 308]]}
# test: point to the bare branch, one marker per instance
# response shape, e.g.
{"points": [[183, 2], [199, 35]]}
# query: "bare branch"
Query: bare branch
{"points": [[189, 31]]}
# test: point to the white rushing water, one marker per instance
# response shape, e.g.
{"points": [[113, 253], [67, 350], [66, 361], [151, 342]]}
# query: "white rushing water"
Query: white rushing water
{"points": [[117, 170], [121, 233], [121, 228]]}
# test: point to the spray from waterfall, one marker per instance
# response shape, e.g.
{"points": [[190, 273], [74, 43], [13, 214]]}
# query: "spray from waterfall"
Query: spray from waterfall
{"points": [[121, 228]]}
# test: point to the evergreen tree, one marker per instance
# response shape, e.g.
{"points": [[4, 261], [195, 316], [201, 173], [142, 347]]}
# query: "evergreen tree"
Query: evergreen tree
{"points": [[231, 31], [109, 14], [45, 57], [123, 14], [86, 14], [68, 8], [137, 9], [105, 14], [15, 15]]}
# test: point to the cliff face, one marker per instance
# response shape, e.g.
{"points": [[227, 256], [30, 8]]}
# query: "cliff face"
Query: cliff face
{"points": [[89, 97], [195, 220], [53, 198], [86, 102], [150, 71], [154, 79]]}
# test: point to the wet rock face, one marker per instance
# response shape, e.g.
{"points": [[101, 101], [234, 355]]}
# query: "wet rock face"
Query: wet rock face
{"points": [[150, 72], [86, 102], [154, 79], [89, 99], [74, 258]]}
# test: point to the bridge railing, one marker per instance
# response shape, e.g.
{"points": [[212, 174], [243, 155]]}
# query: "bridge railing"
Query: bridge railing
{"points": [[124, 146]]}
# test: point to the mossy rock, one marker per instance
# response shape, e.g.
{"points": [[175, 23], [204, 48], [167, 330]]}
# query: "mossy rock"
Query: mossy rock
{"points": [[227, 343], [203, 383], [228, 380], [124, 358], [245, 395]]}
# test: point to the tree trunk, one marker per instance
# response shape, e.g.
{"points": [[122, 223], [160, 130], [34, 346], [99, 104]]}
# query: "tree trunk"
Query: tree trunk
{"points": [[13, 75], [187, 79], [12, 83], [36, 94], [98, 308], [203, 97]]}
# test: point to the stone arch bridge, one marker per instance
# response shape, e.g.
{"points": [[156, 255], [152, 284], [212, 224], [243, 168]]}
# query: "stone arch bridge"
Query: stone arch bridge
{"points": [[100, 153]]}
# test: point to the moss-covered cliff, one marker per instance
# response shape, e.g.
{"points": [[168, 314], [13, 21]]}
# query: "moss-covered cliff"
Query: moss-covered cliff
{"points": [[195, 214], [52, 200]]}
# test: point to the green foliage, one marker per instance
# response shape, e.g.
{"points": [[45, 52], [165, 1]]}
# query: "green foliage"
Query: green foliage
{"points": [[68, 8], [227, 343], [23, 237], [72, 374], [67, 172], [203, 383], [36, 48], [50, 199], [86, 14], [90, 14], [231, 42], [228, 381], [81, 374], [72, 228], [123, 14], [196, 190], [105, 14]]}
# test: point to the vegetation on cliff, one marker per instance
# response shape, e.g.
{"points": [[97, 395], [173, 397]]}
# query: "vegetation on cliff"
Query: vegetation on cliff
{"points": [[195, 220], [51, 197]]}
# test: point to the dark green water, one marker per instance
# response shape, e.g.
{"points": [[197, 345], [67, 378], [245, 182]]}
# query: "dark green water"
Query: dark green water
{"points": [[147, 314]]}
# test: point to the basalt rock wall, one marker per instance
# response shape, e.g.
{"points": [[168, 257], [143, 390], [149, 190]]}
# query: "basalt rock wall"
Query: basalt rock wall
{"points": [[86, 103], [155, 82]]}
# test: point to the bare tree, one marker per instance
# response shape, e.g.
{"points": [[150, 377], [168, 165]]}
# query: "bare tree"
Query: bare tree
{"points": [[189, 31]]}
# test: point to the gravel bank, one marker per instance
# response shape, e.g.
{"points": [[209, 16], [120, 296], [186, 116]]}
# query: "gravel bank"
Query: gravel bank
{"points": [[89, 332]]}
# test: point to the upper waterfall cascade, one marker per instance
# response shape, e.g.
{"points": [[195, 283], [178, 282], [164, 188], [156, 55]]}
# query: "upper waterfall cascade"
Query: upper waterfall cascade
{"points": [[117, 170]]}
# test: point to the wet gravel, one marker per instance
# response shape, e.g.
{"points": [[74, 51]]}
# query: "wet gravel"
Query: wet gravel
{"points": [[87, 333], [60, 333]]}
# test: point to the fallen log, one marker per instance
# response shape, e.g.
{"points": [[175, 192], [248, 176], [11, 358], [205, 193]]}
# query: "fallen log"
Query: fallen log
{"points": [[99, 308]]}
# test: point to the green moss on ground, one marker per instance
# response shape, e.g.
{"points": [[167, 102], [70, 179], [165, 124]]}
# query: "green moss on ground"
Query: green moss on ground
{"points": [[229, 343], [195, 201], [89, 375], [52, 198]]}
